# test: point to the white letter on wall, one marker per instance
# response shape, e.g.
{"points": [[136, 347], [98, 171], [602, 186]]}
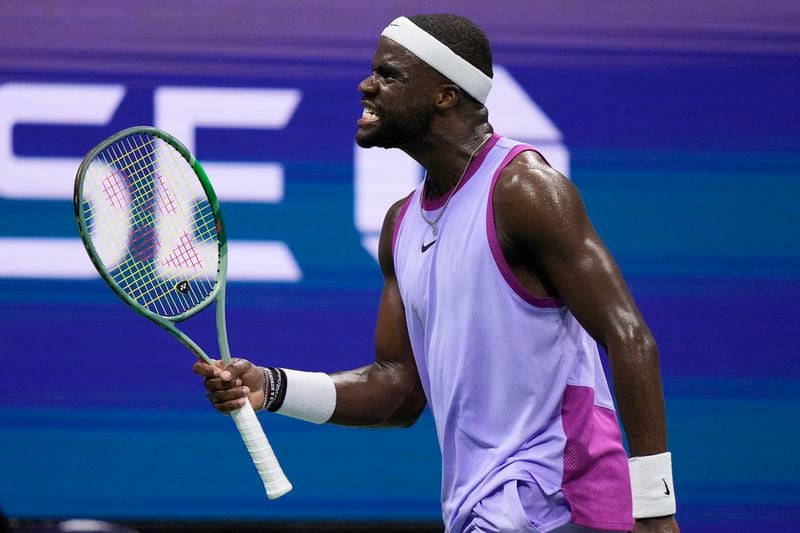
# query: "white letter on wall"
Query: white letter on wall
{"points": [[181, 110], [48, 103]]}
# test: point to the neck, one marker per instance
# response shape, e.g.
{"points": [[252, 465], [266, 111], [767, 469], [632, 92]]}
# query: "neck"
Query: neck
{"points": [[445, 158]]}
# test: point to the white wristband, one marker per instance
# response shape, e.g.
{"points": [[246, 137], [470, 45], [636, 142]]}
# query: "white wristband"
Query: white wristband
{"points": [[310, 396], [651, 484]]}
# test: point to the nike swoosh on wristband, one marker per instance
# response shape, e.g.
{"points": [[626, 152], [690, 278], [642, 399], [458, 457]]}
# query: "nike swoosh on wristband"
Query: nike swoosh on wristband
{"points": [[426, 246], [666, 492]]}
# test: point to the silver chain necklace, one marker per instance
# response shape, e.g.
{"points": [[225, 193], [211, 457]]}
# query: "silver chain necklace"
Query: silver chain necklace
{"points": [[434, 224]]}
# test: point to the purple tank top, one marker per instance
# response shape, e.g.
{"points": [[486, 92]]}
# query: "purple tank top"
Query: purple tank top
{"points": [[515, 384]]}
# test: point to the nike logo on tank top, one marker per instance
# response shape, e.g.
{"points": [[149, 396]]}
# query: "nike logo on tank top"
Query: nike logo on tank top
{"points": [[515, 384]]}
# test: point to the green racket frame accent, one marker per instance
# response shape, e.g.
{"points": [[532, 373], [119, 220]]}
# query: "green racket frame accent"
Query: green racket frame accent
{"points": [[217, 293]]}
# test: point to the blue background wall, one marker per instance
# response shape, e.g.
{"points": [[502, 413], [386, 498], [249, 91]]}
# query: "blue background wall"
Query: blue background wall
{"points": [[682, 129]]}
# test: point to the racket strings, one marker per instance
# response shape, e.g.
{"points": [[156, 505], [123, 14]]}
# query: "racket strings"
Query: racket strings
{"points": [[157, 291], [141, 283], [151, 224], [185, 249]]}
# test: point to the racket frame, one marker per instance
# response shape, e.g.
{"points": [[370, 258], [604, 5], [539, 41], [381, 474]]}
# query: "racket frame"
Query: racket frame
{"points": [[275, 481], [218, 291]]}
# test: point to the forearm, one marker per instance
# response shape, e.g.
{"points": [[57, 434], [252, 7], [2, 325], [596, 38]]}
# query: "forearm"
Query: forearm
{"points": [[377, 395], [638, 389], [637, 383]]}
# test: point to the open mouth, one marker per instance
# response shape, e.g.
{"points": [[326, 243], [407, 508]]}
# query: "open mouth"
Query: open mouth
{"points": [[368, 115]]}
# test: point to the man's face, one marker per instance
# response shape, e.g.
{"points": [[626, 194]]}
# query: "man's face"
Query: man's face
{"points": [[397, 98]]}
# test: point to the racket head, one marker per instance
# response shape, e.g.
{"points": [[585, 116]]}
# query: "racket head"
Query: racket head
{"points": [[152, 224]]}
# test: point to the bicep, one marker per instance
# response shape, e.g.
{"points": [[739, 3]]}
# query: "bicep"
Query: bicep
{"points": [[547, 223], [388, 391], [394, 356], [590, 283], [392, 344]]}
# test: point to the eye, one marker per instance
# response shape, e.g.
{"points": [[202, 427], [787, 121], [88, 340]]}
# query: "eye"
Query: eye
{"points": [[387, 73]]}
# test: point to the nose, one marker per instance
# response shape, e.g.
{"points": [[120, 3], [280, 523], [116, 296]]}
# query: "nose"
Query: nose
{"points": [[368, 85]]}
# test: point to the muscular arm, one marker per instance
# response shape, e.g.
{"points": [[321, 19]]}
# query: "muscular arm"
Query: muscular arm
{"points": [[554, 249], [388, 392]]}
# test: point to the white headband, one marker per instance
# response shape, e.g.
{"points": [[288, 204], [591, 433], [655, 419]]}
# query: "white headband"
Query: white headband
{"points": [[441, 58]]}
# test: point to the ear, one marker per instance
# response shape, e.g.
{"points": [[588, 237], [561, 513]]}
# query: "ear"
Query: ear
{"points": [[447, 96]]}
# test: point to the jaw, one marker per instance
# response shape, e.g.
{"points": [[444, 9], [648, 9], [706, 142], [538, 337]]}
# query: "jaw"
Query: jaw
{"points": [[363, 134], [391, 128]]}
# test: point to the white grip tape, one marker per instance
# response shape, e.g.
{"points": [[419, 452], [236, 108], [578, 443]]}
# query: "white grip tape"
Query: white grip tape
{"points": [[275, 481]]}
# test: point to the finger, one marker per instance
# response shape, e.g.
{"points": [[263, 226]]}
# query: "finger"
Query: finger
{"points": [[222, 396], [204, 369], [233, 405], [216, 384], [231, 400], [236, 369]]}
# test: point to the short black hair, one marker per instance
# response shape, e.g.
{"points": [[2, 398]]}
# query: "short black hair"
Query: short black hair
{"points": [[460, 35]]}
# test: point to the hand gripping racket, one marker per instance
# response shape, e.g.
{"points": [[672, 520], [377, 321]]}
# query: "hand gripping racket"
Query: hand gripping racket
{"points": [[153, 228]]}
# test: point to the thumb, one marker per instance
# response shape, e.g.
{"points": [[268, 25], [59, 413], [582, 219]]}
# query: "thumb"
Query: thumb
{"points": [[236, 369]]}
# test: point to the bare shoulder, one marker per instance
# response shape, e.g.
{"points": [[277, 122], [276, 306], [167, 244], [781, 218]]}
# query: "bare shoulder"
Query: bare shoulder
{"points": [[393, 212], [532, 196], [385, 254]]}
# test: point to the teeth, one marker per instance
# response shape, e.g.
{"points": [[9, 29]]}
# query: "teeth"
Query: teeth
{"points": [[369, 114]]}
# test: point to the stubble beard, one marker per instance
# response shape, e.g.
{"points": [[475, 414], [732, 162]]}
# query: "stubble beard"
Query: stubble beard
{"points": [[398, 129]]}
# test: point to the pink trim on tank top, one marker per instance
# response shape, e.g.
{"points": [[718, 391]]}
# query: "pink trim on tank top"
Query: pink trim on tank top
{"points": [[497, 250], [399, 220], [477, 161]]}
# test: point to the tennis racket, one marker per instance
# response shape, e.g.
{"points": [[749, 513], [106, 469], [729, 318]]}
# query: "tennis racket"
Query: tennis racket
{"points": [[153, 228]]}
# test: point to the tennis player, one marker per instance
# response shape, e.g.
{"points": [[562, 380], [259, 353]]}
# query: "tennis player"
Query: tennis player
{"points": [[497, 292]]}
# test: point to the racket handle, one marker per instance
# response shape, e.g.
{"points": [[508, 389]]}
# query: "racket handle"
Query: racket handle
{"points": [[275, 481]]}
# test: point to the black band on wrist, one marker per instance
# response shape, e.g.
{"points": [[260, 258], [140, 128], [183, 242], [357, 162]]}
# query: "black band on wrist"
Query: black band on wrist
{"points": [[280, 390]]}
